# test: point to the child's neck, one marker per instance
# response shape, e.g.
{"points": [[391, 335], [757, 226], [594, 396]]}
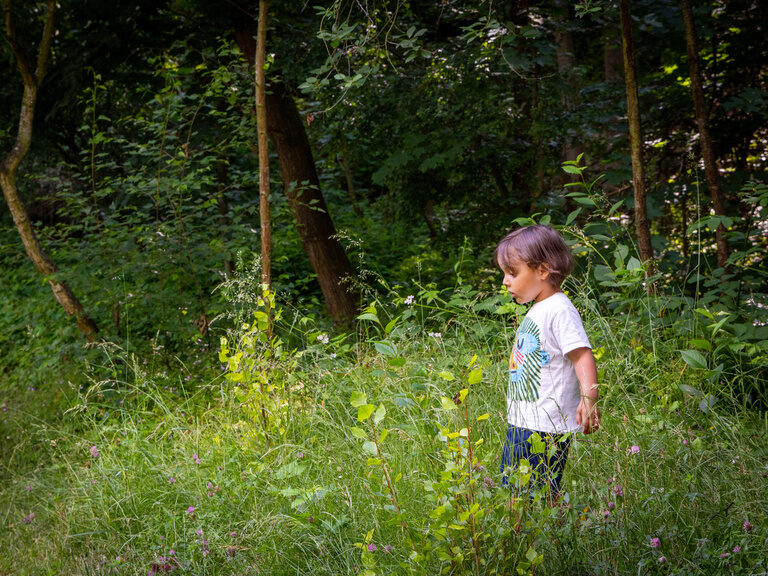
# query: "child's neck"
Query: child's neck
{"points": [[546, 292]]}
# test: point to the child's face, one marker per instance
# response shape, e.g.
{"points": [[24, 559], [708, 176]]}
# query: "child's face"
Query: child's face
{"points": [[526, 283]]}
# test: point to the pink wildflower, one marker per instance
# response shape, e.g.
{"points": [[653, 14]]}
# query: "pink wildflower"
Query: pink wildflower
{"points": [[655, 542], [94, 452], [371, 547], [748, 526], [635, 449], [736, 549]]}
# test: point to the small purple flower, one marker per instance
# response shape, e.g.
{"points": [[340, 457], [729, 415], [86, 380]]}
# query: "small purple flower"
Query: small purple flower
{"points": [[199, 531], [611, 505], [662, 559], [28, 519], [233, 534], [655, 542], [748, 526], [606, 514], [723, 555], [736, 549], [635, 449], [94, 452], [190, 510], [685, 442], [371, 547], [195, 458], [387, 548], [300, 455], [618, 490], [171, 480], [29, 489]]}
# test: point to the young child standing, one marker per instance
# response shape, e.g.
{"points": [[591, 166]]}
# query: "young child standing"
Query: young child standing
{"points": [[552, 387]]}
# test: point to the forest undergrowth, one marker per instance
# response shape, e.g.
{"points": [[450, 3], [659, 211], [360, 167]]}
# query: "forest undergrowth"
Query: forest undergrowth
{"points": [[286, 449]]}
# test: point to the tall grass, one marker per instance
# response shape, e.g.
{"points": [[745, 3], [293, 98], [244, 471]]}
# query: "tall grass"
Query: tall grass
{"points": [[141, 476]]}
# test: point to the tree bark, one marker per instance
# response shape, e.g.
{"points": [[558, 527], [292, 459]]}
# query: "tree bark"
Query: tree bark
{"points": [[10, 165], [261, 127], [302, 187], [566, 60], [707, 151], [635, 139]]}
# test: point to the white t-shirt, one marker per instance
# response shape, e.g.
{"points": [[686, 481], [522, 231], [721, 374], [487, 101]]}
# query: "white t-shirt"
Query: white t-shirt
{"points": [[543, 392]]}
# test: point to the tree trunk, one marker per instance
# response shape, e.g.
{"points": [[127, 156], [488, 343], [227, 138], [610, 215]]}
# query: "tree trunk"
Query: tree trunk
{"points": [[10, 166], [635, 139], [566, 60], [221, 199], [261, 123], [707, 152], [302, 187]]}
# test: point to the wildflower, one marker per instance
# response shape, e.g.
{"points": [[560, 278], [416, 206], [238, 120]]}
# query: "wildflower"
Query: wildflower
{"points": [[332, 355], [190, 510], [195, 458], [324, 338], [736, 549], [171, 480], [685, 442], [606, 514], [618, 490], [94, 452], [662, 559], [723, 555], [231, 551], [29, 489], [655, 542], [611, 505], [28, 519], [635, 449], [199, 531], [409, 300], [435, 334], [204, 546], [300, 455], [387, 548], [371, 547], [748, 526]]}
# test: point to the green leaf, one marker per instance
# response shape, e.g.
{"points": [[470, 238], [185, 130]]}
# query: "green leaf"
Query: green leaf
{"points": [[474, 377], [383, 435], [483, 417], [379, 415], [690, 390], [572, 216], [385, 348], [397, 362], [463, 394], [364, 412], [445, 375], [447, 403], [358, 399], [368, 316], [570, 169], [694, 359], [357, 432], [370, 448]]}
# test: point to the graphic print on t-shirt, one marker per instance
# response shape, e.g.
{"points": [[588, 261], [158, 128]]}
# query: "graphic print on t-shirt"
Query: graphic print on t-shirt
{"points": [[525, 363]]}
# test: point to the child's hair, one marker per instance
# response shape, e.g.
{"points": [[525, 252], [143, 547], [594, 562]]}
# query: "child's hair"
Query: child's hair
{"points": [[536, 245]]}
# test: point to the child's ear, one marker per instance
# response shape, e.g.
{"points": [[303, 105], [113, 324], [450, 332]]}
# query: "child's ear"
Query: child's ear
{"points": [[544, 270]]}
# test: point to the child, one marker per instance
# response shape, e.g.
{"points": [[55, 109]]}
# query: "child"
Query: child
{"points": [[552, 387]]}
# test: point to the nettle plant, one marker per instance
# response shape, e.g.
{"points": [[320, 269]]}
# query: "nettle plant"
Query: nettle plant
{"points": [[260, 369]]}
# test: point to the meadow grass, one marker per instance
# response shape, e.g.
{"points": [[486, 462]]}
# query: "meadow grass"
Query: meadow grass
{"points": [[141, 472]]}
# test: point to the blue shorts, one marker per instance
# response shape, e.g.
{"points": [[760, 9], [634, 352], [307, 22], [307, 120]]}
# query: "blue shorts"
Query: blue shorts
{"points": [[547, 462]]}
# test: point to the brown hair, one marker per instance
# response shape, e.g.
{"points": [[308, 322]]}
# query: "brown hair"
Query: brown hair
{"points": [[536, 245]]}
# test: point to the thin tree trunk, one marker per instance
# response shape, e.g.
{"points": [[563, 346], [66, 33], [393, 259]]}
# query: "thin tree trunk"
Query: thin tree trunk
{"points": [[261, 123], [566, 60], [707, 152], [635, 139], [10, 165], [221, 198], [344, 158]]}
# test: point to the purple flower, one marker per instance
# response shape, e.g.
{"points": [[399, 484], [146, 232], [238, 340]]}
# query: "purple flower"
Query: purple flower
{"points": [[190, 510], [606, 514], [635, 449], [300, 455], [655, 542], [29, 489], [723, 555], [618, 490], [736, 549], [371, 547], [94, 451], [611, 505], [28, 519], [233, 534], [662, 559], [199, 531], [387, 548], [171, 480], [195, 458], [748, 526]]}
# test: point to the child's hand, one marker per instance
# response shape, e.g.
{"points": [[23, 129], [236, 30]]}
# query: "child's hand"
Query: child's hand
{"points": [[588, 415]]}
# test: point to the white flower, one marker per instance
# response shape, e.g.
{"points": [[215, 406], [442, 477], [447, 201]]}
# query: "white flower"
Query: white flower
{"points": [[324, 338], [332, 355], [435, 334], [409, 300]]}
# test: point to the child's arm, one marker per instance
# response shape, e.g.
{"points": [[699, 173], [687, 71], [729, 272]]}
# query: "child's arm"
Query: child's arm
{"points": [[587, 414]]}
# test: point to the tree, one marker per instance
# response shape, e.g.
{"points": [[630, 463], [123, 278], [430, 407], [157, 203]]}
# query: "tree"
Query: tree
{"points": [[302, 187], [261, 121], [32, 80], [705, 139], [635, 137]]}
